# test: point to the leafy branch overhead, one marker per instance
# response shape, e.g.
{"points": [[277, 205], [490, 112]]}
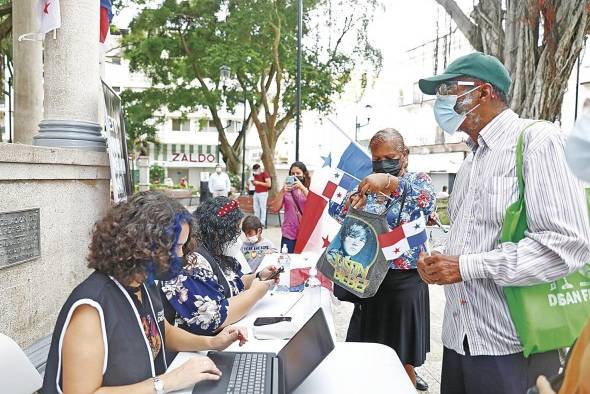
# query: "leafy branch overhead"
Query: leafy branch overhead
{"points": [[539, 41], [181, 46]]}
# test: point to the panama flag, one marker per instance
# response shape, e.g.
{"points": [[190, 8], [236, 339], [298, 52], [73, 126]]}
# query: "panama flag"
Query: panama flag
{"points": [[106, 16], [343, 167], [403, 238], [338, 185], [49, 15]]}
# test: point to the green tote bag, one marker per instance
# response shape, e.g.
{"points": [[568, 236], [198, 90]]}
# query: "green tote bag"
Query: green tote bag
{"points": [[547, 316]]}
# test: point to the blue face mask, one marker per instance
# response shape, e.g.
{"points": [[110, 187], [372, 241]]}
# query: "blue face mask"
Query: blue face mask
{"points": [[577, 147], [446, 116]]}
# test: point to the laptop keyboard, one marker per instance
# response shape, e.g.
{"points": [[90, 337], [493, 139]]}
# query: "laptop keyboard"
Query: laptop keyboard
{"points": [[248, 374]]}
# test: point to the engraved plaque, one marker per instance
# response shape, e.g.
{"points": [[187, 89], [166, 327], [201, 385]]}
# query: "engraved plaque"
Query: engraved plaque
{"points": [[19, 237]]}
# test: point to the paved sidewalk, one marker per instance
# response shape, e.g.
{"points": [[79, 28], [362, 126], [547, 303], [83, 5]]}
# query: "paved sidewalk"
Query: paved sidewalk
{"points": [[430, 371]]}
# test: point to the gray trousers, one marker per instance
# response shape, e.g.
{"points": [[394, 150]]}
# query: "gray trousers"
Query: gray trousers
{"points": [[260, 200]]}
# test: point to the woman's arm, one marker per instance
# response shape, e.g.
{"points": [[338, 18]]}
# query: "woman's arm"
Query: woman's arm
{"points": [[277, 203], [83, 358], [179, 340], [241, 304]]}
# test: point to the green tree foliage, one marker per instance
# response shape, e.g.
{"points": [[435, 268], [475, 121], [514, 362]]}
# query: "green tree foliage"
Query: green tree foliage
{"points": [[181, 45]]}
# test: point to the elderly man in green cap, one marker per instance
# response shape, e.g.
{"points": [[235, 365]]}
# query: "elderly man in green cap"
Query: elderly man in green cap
{"points": [[482, 353]]}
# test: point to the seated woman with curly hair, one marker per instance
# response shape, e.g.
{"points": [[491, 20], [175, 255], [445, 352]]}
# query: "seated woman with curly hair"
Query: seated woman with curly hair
{"points": [[111, 335], [211, 291]]}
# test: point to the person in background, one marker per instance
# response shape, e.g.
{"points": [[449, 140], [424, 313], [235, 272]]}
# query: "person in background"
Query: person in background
{"points": [[398, 314], [110, 335], [256, 246], [478, 332], [211, 291], [219, 184], [443, 194], [577, 154], [262, 184], [292, 197], [251, 186]]}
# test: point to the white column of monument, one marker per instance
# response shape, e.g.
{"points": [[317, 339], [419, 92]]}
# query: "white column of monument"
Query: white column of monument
{"points": [[28, 72], [72, 80]]}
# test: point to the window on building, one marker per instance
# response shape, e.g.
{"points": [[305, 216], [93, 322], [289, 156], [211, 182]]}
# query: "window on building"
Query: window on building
{"points": [[181, 125], [117, 89], [417, 96]]}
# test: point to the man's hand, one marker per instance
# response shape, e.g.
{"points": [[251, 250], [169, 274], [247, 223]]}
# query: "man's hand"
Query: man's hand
{"points": [[439, 269]]}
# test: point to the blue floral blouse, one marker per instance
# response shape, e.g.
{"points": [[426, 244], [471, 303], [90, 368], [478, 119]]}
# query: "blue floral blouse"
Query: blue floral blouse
{"points": [[198, 297], [420, 197]]}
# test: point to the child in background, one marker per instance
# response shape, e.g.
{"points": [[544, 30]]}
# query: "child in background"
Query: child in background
{"points": [[256, 246]]}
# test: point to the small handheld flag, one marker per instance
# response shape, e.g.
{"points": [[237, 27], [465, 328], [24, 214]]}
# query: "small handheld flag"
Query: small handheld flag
{"points": [[403, 238]]}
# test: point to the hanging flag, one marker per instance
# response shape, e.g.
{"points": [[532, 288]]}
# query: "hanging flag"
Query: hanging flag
{"points": [[403, 238], [341, 172], [106, 16], [49, 15]]}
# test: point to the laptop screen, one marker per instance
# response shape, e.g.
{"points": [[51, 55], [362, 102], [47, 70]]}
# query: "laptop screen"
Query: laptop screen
{"points": [[306, 350]]}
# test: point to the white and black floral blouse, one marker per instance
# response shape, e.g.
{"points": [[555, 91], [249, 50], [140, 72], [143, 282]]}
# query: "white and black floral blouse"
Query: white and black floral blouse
{"points": [[198, 297]]}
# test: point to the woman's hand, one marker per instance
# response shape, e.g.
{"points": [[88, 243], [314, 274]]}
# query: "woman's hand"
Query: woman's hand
{"points": [[286, 188], [227, 336], [267, 272], [194, 370], [357, 200], [544, 386], [260, 287], [378, 183]]}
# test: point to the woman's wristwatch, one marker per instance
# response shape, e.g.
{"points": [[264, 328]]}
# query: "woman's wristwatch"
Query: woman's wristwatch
{"points": [[158, 385]]}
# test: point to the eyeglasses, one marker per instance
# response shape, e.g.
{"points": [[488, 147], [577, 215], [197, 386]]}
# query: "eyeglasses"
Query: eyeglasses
{"points": [[452, 87]]}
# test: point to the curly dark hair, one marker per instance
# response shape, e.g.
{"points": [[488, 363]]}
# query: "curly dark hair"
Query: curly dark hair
{"points": [[215, 233], [137, 239]]}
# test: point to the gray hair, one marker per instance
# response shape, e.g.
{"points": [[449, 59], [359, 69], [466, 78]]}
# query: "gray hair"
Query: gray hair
{"points": [[390, 136]]}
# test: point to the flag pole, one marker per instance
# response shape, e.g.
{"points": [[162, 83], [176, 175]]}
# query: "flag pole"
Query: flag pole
{"points": [[348, 137], [427, 243]]}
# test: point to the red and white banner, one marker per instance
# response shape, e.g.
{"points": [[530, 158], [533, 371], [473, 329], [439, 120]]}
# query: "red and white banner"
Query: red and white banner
{"points": [[49, 15]]}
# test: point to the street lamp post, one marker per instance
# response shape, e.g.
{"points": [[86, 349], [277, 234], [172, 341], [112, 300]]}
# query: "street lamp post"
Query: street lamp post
{"points": [[298, 77], [358, 126], [245, 128]]}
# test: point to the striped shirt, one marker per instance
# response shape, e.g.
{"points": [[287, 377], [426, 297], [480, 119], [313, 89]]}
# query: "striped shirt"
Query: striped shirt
{"points": [[555, 244]]}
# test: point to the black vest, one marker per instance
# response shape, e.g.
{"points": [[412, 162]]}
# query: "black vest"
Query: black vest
{"points": [[128, 360]]}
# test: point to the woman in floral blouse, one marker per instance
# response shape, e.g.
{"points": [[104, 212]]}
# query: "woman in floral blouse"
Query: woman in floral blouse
{"points": [[211, 292], [398, 315]]}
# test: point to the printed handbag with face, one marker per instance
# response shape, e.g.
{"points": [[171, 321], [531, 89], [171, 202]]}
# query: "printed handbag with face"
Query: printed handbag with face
{"points": [[353, 260]]}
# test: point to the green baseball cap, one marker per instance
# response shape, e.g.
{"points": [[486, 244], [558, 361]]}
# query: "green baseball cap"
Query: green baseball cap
{"points": [[476, 65]]}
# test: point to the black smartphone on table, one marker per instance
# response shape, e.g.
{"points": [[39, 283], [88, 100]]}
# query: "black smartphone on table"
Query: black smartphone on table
{"points": [[263, 321]]}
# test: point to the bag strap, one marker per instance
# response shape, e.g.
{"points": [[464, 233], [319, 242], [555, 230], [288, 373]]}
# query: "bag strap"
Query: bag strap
{"points": [[401, 207], [519, 160], [296, 204]]}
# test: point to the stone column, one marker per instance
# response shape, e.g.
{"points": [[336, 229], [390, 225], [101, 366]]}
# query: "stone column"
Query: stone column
{"points": [[143, 162], [72, 81], [28, 72]]}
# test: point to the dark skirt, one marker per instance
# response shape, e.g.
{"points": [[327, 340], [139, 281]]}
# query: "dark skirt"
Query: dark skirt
{"points": [[397, 316]]}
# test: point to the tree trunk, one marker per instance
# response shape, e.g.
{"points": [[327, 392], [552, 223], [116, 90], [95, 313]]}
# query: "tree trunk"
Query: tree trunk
{"points": [[539, 71], [268, 149]]}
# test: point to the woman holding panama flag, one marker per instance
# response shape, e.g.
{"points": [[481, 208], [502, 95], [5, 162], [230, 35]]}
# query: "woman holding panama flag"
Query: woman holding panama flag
{"points": [[398, 315]]}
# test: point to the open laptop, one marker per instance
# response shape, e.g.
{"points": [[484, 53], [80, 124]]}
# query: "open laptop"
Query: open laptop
{"points": [[269, 373]]}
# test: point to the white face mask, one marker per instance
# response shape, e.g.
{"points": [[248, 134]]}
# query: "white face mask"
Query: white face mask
{"points": [[218, 170], [253, 239], [577, 147]]}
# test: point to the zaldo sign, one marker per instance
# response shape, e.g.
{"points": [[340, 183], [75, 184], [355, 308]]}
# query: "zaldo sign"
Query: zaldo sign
{"points": [[193, 157]]}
